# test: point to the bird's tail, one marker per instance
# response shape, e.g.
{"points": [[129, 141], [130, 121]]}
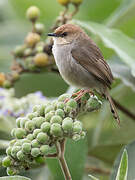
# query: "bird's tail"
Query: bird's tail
{"points": [[112, 106]]}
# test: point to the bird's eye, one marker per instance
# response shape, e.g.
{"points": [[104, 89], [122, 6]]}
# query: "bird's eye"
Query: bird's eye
{"points": [[64, 34]]}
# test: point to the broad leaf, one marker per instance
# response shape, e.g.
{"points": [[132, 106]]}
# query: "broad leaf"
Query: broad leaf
{"points": [[114, 39], [14, 178], [75, 156], [130, 148], [123, 167], [106, 153], [122, 71], [122, 13]]}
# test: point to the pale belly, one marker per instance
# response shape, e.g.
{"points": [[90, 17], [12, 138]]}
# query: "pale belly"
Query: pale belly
{"points": [[72, 72]]}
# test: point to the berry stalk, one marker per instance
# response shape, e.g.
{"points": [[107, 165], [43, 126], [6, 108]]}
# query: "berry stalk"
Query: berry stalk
{"points": [[60, 146]]}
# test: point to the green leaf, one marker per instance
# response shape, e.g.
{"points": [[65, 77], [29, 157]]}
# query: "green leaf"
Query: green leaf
{"points": [[114, 39], [92, 177], [122, 71], [75, 156], [130, 148], [106, 153], [122, 14], [14, 178], [123, 167]]}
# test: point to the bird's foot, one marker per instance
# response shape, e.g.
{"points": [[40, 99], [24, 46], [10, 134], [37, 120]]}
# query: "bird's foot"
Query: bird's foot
{"points": [[81, 93], [77, 93], [66, 100]]}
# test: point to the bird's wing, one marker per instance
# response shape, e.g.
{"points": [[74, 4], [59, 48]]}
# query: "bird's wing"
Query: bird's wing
{"points": [[89, 56]]}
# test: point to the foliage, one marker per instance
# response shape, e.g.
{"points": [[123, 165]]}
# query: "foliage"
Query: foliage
{"points": [[111, 26]]}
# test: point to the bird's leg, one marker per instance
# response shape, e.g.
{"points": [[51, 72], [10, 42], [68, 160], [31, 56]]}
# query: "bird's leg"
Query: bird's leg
{"points": [[74, 94], [77, 93], [83, 92], [66, 100]]}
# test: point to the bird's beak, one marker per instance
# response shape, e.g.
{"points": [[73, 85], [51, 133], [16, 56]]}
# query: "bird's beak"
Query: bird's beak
{"points": [[52, 34]]}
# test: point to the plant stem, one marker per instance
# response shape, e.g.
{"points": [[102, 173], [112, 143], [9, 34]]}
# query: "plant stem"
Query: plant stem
{"points": [[60, 146]]}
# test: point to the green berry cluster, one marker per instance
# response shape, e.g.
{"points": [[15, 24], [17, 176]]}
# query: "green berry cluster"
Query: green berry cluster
{"points": [[32, 51], [37, 133], [33, 55]]}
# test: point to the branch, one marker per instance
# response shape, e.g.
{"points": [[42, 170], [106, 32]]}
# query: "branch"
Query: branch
{"points": [[60, 147], [124, 110]]}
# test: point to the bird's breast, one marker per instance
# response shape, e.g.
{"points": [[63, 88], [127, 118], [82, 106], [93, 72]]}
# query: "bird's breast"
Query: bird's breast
{"points": [[71, 71]]}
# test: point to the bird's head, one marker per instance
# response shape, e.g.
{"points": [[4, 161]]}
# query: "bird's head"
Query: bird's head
{"points": [[66, 34]]}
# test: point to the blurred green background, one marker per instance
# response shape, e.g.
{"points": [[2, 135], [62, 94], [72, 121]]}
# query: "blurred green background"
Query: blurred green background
{"points": [[104, 137]]}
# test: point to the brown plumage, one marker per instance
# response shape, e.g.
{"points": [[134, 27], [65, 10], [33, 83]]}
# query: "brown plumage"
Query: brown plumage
{"points": [[81, 62]]}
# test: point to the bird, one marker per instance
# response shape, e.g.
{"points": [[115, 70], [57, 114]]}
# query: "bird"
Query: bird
{"points": [[81, 63]]}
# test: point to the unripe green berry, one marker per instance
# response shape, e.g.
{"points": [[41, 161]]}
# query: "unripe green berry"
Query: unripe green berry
{"points": [[8, 150], [56, 119], [33, 13], [30, 137], [68, 109], [93, 103], [28, 52], [35, 143], [15, 150], [20, 133], [30, 125], [39, 49], [19, 51], [25, 141], [45, 149], [45, 127], [60, 105], [42, 137], [48, 116], [54, 103], [76, 137], [31, 115], [11, 171], [35, 152], [40, 110], [18, 121], [77, 123], [22, 122], [38, 121], [6, 162], [60, 112], [39, 28], [49, 108], [56, 129], [21, 155], [18, 143], [35, 108], [83, 134], [85, 97], [67, 124], [13, 132], [77, 128], [12, 142], [40, 160], [26, 147], [36, 132], [72, 103], [63, 97]]}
